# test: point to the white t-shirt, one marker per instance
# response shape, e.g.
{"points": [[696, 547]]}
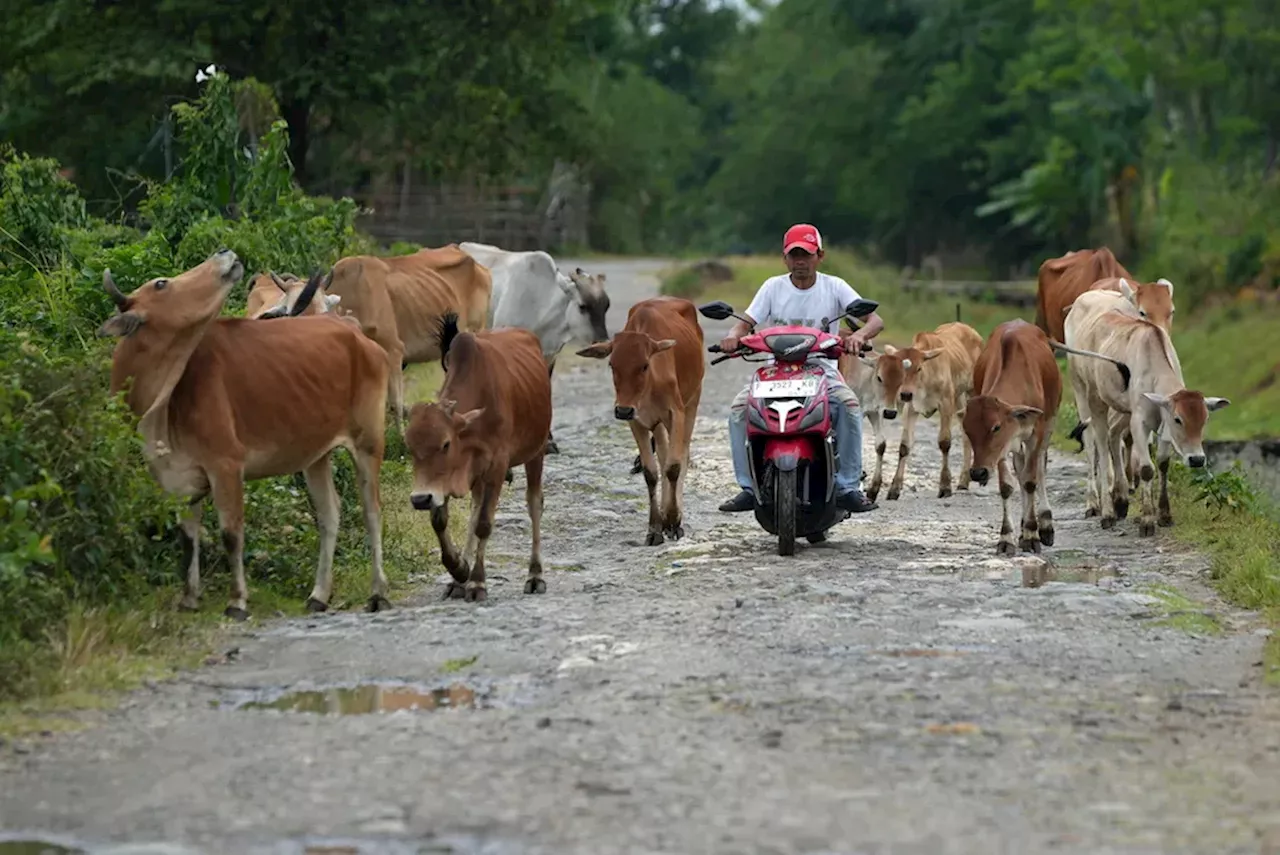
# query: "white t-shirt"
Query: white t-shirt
{"points": [[778, 303]]}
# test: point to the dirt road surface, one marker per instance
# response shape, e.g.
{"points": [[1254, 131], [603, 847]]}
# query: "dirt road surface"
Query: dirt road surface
{"points": [[896, 690]]}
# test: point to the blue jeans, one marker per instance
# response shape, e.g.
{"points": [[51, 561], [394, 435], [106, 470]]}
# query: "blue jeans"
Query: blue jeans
{"points": [[847, 427]]}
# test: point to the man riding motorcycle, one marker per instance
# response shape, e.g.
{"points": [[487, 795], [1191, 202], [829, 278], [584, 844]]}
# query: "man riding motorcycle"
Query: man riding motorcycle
{"points": [[805, 297]]}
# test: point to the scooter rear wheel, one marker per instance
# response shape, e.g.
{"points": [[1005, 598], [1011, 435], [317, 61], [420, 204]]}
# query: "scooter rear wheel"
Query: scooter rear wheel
{"points": [[784, 509]]}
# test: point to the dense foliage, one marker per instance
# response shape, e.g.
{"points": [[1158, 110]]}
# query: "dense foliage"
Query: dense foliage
{"points": [[81, 520]]}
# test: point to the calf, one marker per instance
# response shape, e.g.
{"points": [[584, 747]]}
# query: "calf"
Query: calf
{"points": [[228, 400], [932, 376], [657, 367], [1155, 399], [1019, 389], [492, 413], [859, 373]]}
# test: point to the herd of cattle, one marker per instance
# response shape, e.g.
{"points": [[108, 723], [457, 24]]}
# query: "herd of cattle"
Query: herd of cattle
{"points": [[313, 365]]}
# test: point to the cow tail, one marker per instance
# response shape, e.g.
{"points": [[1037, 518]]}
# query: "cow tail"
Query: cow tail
{"points": [[1125, 374], [1077, 433], [307, 295], [448, 332]]}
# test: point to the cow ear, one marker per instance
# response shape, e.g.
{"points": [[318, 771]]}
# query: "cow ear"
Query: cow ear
{"points": [[665, 344], [465, 419], [599, 350], [1166, 283], [1023, 414], [890, 350], [1216, 403], [1156, 398], [331, 300], [122, 325], [1127, 291], [932, 354]]}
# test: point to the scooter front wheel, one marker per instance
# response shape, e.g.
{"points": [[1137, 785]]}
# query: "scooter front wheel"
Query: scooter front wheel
{"points": [[784, 509]]}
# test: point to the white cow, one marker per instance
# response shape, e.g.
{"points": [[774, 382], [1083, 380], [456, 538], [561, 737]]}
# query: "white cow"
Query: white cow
{"points": [[529, 291]]}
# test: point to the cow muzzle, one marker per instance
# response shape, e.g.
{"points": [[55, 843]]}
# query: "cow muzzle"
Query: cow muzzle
{"points": [[422, 501], [890, 414], [1196, 461], [980, 474], [624, 414], [906, 396]]}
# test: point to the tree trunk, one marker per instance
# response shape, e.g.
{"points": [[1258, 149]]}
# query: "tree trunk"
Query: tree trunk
{"points": [[297, 112]]}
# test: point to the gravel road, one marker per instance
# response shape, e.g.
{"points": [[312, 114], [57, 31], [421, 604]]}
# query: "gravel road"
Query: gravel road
{"points": [[899, 689]]}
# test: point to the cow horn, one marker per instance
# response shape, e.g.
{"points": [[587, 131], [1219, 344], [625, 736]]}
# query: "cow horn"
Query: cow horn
{"points": [[276, 279], [447, 406], [122, 302]]}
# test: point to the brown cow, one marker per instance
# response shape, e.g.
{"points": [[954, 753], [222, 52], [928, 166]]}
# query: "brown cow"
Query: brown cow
{"points": [[227, 400], [657, 366], [492, 413], [933, 375], [1062, 279], [1019, 388], [399, 302]]}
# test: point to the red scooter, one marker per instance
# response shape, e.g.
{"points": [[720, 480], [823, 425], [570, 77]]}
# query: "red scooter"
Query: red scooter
{"points": [[792, 451]]}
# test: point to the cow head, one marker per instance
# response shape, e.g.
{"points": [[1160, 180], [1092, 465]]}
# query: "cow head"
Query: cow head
{"points": [[1152, 301], [174, 306], [630, 355], [437, 438], [898, 372], [1183, 416], [588, 306], [991, 426]]}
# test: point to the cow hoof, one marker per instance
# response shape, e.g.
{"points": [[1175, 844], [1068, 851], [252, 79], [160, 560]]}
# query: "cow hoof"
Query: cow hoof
{"points": [[378, 603], [654, 538], [1146, 529], [1108, 522], [873, 493], [1026, 544], [963, 485], [1165, 521], [552, 448], [1006, 547], [454, 591], [186, 605], [314, 605], [236, 613], [894, 493], [535, 585], [944, 493], [1046, 536], [510, 476], [675, 532], [476, 594], [1121, 508], [1092, 512]]}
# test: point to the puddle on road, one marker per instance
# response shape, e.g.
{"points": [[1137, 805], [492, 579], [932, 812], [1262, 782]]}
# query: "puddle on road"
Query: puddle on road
{"points": [[1068, 565], [369, 698]]}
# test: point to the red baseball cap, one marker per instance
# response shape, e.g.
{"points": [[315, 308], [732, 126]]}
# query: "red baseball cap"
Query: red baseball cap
{"points": [[804, 236]]}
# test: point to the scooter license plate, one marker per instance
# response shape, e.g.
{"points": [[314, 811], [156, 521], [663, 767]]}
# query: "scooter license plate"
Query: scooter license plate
{"points": [[796, 387]]}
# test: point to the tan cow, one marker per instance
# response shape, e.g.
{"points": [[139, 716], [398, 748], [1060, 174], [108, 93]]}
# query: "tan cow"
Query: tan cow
{"points": [[492, 413], [932, 376], [1018, 390], [399, 302], [657, 365], [228, 400], [1155, 399], [276, 296], [859, 372]]}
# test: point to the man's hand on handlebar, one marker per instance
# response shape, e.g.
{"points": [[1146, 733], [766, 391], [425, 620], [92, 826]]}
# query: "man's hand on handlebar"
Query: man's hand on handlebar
{"points": [[854, 342], [728, 344]]}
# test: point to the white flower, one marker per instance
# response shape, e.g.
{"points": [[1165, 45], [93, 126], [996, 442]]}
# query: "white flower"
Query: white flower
{"points": [[206, 73]]}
